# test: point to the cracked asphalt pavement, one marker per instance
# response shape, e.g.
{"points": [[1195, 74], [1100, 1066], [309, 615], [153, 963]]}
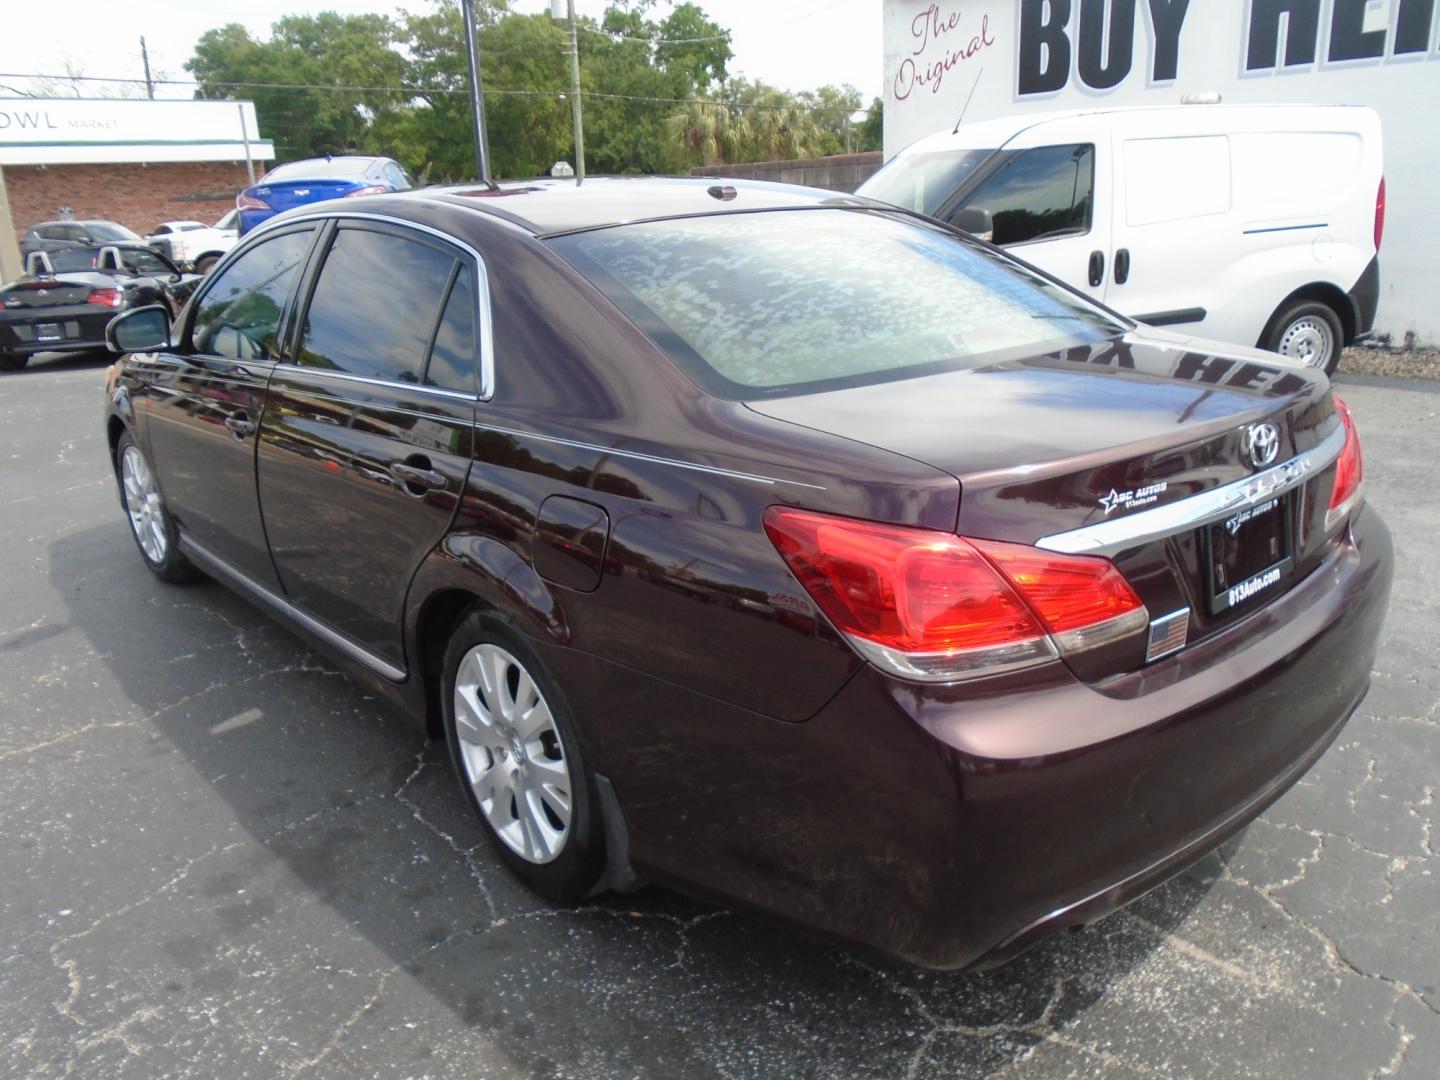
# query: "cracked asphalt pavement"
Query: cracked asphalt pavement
{"points": [[221, 858]]}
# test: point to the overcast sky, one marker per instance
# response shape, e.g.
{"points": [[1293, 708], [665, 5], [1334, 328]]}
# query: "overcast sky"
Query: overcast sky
{"points": [[797, 44]]}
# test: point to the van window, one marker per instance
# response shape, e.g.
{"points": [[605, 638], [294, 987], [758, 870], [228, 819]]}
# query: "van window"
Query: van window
{"points": [[923, 182], [375, 306], [1040, 194], [1176, 179]]}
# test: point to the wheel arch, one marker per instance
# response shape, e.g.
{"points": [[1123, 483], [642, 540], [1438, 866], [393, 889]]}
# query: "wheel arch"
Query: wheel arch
{"points": [[1322, 292]]}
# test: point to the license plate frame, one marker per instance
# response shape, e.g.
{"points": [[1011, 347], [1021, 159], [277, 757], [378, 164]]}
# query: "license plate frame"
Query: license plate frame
{"points": [[49, 331], [1249, 554]]}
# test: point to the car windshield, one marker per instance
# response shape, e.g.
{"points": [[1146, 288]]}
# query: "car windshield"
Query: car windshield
{"points": [[108, 230], [764, 304], [922, 182], [137, 260], [332, 168]]}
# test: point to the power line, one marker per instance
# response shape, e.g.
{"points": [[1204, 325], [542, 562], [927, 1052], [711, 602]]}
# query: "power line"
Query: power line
{"points": [[615, 35], [420, 90]]}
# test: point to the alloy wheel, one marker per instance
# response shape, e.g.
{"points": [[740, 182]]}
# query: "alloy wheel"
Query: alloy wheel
{"points": [[512, 754], [143, 504], [1310, 340]]}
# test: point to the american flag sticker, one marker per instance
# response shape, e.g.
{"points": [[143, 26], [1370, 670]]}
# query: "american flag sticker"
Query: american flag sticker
{"points": [[1167, 634]]}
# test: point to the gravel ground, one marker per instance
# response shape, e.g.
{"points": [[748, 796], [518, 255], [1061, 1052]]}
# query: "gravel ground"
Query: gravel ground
{"points": [[1422, 363]]}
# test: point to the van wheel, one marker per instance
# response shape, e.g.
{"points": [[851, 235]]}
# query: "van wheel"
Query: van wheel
{"points": [[1308, 331], [205, 263], [521, 759]]}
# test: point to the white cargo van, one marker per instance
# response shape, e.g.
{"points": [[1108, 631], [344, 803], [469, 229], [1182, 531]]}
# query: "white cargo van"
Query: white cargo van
{"points": [[1252, 224]]}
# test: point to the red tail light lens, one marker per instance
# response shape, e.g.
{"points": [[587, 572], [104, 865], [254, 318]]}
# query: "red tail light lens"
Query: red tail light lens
{"points": [[106, 297], [1380, 214], [250, 202], [933, 606], [373, 189], [1349, 470]]}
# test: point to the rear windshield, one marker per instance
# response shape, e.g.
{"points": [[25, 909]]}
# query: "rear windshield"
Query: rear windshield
{"points": [[333, 169], [108, 230], [922, 182], [767, 304]]}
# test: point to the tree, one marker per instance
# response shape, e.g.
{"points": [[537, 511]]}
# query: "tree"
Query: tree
{"points": [[872, 130]]}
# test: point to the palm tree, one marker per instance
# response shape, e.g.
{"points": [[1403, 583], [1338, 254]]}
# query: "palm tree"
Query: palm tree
{"points": [[718, 133]]}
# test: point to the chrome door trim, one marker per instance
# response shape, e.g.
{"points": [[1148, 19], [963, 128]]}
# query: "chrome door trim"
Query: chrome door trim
{"points": [[482, 283], [391, 384], [1195, 511], [331, 636]]}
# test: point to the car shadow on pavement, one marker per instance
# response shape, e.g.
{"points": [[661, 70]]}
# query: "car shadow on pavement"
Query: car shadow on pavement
{"points": [[70, 361], [297, 851]]}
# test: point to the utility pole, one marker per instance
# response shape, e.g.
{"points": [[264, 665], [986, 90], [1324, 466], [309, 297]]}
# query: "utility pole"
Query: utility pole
{"points": [[245, 138], [145, 56], [575, 97], [477, 94]]}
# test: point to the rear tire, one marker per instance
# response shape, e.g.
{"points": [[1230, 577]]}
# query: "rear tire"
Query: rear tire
{"points": [[521, 759], [12, 361], [151, 526], [1308, 331]]}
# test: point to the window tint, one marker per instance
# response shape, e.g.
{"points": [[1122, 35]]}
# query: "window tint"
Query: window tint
{"points": [[375, 306], [1040, 193], [765, 303], [161, 230], [241, 312], [923, 182], [74, 232], [452, 361]]}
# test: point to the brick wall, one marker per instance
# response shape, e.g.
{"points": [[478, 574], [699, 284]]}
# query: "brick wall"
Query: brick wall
{"points": [[841, 172], [138, 196]]}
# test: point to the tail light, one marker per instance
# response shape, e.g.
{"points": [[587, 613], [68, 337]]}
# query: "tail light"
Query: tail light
{"points": [[373, 189], [106, 297], [250, 202], [1379, 214], [1349, 471], [937, 607]]}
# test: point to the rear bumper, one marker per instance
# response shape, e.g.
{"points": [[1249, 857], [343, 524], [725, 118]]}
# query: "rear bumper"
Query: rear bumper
{"points": [[80, 329], [1365, 299], [952, 827]]}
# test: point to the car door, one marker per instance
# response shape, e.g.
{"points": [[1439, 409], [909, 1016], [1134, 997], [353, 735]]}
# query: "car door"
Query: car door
{"points": [[203, 401], [1050, 205], [366, 438]]}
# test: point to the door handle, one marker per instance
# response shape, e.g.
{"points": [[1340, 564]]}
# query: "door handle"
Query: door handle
{"points": [[1097, 269], [1122, 266], [417, 473], [242, 428]]}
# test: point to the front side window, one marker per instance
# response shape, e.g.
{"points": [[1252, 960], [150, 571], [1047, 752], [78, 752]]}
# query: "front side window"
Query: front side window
{"points": [[1040, 194], [759, 304], [375, 306], [241, 313]]}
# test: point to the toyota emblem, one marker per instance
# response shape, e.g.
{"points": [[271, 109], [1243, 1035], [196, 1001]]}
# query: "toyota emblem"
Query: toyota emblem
{"points": [[1262, 443]]}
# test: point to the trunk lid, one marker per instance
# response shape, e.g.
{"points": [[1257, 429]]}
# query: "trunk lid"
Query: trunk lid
{"points": [[283, 194], [41, 293], [1051, 444]]}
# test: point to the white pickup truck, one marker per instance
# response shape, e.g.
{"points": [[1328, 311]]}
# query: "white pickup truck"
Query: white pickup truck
{"points": [[193, 245]]}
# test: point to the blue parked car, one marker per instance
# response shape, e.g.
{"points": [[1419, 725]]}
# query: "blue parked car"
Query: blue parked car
{"points": [[312, 180]]}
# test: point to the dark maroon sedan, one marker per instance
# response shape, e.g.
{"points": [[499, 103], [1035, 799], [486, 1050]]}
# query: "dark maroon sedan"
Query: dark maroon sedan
{"points": [[777, 545]]}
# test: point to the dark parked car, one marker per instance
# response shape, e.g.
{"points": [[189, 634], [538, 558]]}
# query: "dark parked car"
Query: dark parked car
{"points": [[299, 183], [774, 544], [68, 297], [59, 235]]}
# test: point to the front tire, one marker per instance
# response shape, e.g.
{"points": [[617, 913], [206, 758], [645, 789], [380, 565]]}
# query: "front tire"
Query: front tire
{"points": [[150, 523], [206, 263], [521, 759], [1308, 331]]}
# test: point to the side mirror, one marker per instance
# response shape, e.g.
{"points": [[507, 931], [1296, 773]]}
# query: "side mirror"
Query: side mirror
{"points": [[975, 220], [38, 263], [143, 329]]}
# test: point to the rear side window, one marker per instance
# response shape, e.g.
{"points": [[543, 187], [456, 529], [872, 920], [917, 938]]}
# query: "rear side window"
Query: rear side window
{"points": [[757, 304], [452, 360], [241, 312], [1040, 194], [375, 306]]}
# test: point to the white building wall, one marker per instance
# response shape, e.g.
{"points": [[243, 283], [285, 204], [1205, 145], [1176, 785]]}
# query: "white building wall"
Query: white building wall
{"points": [[1016, 56]]}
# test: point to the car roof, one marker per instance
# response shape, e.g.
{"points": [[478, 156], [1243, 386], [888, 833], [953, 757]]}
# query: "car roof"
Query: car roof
{"points": [[549, 206]]}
